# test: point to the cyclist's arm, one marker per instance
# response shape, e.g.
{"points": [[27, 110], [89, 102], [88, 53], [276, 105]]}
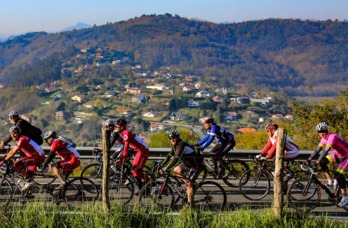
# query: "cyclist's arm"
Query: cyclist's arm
{"points": [[12, 152], [316, 151], [168, 157], [114, 136], [266, 148], [323, 154], [208, 141], [48, 159]]}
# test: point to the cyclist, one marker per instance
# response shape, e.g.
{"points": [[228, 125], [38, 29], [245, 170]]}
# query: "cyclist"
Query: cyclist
{"points": [[27, 129], [132, 141], [192, 162], [268, 152], [70, 158], [339, 146], [225, 142], [34, 156]]}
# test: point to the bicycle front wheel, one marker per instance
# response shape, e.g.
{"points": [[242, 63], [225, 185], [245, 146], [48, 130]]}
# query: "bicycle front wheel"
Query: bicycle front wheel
{"points": [[93, 172], [209, 195], [80, 190], [303, 196], [157, 195], [121, 188], [235, 169], [254, 184], [6, 192]]}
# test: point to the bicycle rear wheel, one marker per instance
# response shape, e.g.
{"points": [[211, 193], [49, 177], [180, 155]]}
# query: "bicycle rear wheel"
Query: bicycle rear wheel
{"points": [[157, 195], [235, 169], [121, 189], [303, 197], [254, 184], [209, 195]]}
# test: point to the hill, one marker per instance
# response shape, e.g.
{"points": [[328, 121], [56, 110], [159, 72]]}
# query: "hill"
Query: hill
{"points": [[298, 57]]}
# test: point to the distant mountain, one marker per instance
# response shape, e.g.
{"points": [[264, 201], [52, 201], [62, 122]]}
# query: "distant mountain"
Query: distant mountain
{"points": [[77, 26], [295, 56]]}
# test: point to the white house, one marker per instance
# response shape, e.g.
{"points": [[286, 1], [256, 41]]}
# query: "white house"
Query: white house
{"points": [[150, 114], [192, 103], [230, 116], [203, 94]]}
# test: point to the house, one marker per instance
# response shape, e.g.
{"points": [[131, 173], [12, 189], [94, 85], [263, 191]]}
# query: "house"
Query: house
{"points": [[192, 103], [150, 114], [188, 88], [177, 116], [109, 93], [88, 105], [230, 116], [243, 100], [157, 127], [189, 78], [277, 116], [218, 99], [78, 98], [138, 98], [61, 115], [124, 112], [160, 87], [264, 100], [203, 94]]}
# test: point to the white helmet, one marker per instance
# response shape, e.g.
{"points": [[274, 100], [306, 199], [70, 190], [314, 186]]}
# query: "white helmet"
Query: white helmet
{"points": [[322, 127]]}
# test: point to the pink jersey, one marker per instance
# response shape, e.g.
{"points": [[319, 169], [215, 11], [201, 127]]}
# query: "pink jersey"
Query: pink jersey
{"points": [[29, 147], [336, 142], [63, 150]]}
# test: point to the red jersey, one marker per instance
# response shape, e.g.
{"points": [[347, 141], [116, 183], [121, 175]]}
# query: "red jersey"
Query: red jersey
{"points": [[29, 147], [64, 150], [135, 142]]}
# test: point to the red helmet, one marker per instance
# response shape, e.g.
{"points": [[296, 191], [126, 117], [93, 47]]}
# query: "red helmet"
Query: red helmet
{"points": [[208, 119], [122, 123], [271, 126]]}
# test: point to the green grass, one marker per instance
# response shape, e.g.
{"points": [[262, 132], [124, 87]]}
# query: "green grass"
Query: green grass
{"points": [[41, 215]]}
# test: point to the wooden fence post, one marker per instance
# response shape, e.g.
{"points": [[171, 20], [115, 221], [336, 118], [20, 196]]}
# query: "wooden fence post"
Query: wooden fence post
{"points": [[106, 167], [279, 173]]}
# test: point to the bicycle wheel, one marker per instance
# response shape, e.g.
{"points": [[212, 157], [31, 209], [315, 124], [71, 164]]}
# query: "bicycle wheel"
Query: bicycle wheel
{"points": [[235, 169], [209, 195], [121, 189], [254, 184], [80, 190], [157, 195], [303, 197], [6, 192], [93, 172]]}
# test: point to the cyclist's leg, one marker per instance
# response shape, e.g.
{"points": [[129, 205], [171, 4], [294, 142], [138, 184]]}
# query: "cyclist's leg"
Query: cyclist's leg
{"points": [[138, 164], [341, 171], [192, 176], [329, 159], [216, 156]]}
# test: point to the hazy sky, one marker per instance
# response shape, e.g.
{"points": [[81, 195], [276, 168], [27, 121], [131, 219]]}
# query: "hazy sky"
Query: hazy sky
{"points": [[22, 16]]}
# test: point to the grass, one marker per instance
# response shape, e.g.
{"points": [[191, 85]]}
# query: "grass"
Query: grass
{"points": [[41, 215]]}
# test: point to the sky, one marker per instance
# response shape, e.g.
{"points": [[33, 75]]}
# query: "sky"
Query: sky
{"points": [[22, 16]]}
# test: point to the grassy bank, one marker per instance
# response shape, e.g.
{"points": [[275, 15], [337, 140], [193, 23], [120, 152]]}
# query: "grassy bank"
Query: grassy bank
{"points": [[39, 215]]}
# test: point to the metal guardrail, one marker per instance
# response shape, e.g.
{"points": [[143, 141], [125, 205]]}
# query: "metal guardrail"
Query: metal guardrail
{"points": [[160, 153]]}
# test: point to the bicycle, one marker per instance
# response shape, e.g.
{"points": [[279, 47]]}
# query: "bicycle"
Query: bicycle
{"points": [[305, 194], [233, 169], [160, 194], [121, 185], [255, 184]]}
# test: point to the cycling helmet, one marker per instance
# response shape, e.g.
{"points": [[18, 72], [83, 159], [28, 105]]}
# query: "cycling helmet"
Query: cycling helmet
{"points": [[14, 128], [271, 126], [208, 119], [50, 133], [13, 113], [122, 123], [109, 122], [322, 127], [173, 134]]}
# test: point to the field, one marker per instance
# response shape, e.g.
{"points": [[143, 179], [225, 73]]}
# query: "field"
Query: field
{"points": [[39, 215]]}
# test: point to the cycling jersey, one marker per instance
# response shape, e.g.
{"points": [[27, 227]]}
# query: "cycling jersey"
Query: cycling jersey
{"points": [[34, 154], [222, 135], [186, 154], [70, 158], [29, 130], [291, 149]]}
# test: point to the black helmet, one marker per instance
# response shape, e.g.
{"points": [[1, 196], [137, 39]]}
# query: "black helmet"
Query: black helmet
{"points": [[122, 123], [50, 133], [173, 134]]}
